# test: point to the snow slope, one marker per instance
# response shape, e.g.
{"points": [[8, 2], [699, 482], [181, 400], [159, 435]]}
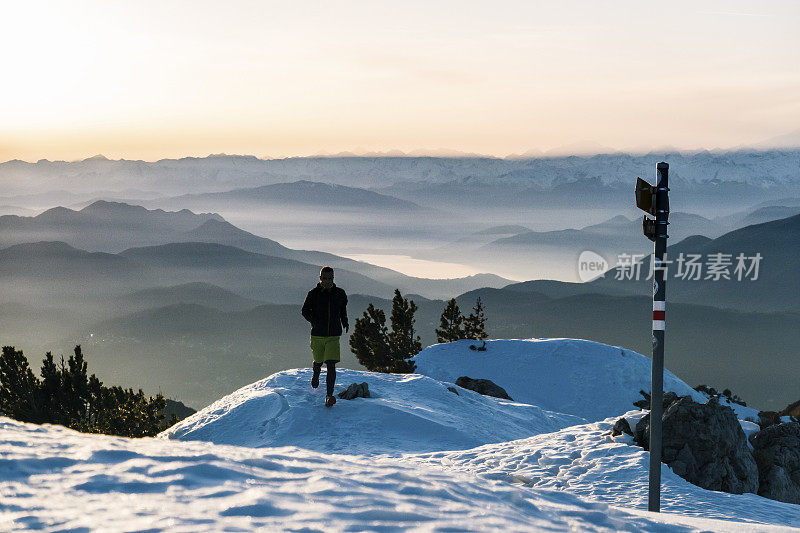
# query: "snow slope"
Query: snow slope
{"points": [[52, 478], [586, 461], [582, 378], [406, 413], [418, 457]]}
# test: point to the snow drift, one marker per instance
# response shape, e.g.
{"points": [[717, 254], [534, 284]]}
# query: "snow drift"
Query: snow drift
{"points": [[555, 383], [57, 479], [583, 378], [406, 413]]}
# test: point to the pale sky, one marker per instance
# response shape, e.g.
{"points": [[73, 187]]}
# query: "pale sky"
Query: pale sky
{"points": [[152, 79]]}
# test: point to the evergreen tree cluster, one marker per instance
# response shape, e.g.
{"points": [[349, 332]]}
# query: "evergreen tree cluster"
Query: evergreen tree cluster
{"points": [[68, 396], [382, 350], [379, 349], [454, 326]]}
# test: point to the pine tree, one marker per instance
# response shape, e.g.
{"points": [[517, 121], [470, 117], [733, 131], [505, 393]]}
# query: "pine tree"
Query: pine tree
{"points": [[18, 387], [75, 386], [475, 323], [451, 323], [403, 344], [370, 340], [381, 350], [51, 392]]}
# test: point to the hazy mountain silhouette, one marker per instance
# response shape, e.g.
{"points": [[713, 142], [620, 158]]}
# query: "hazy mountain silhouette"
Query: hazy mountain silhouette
{"points": [[226, 233], [115, 226], [101, 226], [223, 232], [618, 232], [18, 211], [198, 293], [508, 229], [308, 194], [778, 283], [181, 348], [50, 272], [556, 253], [761, 214], [268, 278]]}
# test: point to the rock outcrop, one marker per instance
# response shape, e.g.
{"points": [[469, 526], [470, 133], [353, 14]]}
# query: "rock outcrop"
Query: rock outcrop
{"points": [[622, 426], [776, 450], [705, 445], [483, 386], [667, 399]]}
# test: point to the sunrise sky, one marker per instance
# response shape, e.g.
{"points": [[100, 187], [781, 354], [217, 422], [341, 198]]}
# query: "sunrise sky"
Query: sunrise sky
{"points": [[153, 79]]}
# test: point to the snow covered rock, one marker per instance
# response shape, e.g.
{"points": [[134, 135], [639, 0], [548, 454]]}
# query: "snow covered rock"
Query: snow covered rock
{"points": [[588, 379], [483, 386], [705, 445], [777, 454], [355, 390], [405, 413]]}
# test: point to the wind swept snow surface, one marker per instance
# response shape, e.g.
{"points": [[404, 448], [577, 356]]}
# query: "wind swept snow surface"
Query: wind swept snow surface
{"points": [[583, 378], [415, 456], [406, 413], [585, 460], [52, 478]]}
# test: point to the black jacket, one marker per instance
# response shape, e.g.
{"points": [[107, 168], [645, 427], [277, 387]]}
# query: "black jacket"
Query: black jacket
{"points": [[326, 310]]}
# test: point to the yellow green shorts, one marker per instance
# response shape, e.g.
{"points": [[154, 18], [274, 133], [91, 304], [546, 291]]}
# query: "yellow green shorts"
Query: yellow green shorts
{"points": [[325, 348]]}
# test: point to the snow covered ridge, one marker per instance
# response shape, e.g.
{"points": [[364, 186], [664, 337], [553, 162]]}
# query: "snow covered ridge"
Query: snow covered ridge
{"points": [[418, 457], [555, 383], [406, 413], [583, 378]]}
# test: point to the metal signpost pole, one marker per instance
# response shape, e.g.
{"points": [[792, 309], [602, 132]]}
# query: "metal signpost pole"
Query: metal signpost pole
{"points": [[655, 201], [659, 310]]}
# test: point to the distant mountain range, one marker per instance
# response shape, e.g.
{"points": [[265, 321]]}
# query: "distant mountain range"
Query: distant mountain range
{"points": [[198, 293], [762, 174], [304, 193], [202, 338], [557, 252], [58, 270], [101, 226], [14, 210], [775, 289], [705, 344], [760, 214], [114, 227]]}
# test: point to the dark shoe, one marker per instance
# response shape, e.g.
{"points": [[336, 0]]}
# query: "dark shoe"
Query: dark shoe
{"points": [[330, 400], [315, 381]]}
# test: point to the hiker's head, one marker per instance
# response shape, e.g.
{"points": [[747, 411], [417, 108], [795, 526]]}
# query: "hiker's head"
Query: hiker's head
{"points": [[326, 277]]}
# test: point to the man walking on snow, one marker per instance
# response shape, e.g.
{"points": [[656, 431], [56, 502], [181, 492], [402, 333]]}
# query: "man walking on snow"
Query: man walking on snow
{"points": [[326, 308]]}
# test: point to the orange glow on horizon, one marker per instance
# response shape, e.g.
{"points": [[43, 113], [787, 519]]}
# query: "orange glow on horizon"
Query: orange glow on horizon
{"points": [[155, 80]]}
